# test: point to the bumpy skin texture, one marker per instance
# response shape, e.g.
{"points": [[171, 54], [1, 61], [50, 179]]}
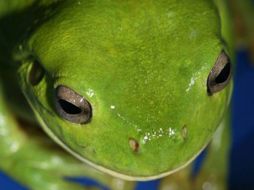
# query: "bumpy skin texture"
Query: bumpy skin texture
{"points": [[143, 66], [132, 56]]}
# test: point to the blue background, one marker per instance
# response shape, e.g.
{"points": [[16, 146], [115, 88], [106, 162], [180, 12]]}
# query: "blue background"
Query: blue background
{"points": [[241, 175]]}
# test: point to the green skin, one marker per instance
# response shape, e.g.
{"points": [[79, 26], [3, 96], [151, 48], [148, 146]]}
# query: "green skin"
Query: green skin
{"points": [[142, 65]]}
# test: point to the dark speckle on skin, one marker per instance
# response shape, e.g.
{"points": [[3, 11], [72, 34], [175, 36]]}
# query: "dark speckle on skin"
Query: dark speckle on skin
{"points": [[87, 147], [134, 144], [83, 146], [184, 132]]}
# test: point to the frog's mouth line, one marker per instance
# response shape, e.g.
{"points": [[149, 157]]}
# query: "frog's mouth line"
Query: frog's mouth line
{"points": [[104, 169]]}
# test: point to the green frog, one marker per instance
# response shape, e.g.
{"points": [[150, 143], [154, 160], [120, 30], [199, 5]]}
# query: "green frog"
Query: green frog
{"points": [[130, 90]]}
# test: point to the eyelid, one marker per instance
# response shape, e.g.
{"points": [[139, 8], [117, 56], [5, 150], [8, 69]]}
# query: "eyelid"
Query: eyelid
{"points": [[220, 74], [72, 106]]}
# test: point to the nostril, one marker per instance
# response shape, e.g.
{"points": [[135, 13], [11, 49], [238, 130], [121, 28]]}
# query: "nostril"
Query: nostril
{"points": [[72, 106], [69, 107]]}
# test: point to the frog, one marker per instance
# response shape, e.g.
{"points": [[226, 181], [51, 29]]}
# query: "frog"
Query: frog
{"points": [[130, 90]]}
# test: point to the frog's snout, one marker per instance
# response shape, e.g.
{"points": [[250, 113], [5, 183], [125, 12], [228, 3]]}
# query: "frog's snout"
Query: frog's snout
{"points": [[71, 106]]}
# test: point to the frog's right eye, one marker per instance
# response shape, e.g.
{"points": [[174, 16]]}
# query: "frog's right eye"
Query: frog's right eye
{"points": [[72, 106], [220, 74], [36, 73]]}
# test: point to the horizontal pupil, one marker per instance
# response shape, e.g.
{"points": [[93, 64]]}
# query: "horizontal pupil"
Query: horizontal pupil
{"points": [[224, 74], [69, 107]]}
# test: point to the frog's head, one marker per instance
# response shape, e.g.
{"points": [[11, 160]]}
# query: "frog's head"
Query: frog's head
{"points": [[134, 88]]}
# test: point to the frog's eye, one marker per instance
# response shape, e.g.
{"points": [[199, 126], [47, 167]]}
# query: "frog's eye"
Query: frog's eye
{"points": [[36, 73], [72, 106], [220, 74]]}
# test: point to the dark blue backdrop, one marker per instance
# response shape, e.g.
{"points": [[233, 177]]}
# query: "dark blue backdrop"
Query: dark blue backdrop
{"points": [[241, 175], [242, 155]]}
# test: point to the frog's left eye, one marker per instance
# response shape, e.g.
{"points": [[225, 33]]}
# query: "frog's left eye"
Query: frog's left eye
{"points": [[220, 74], [72, 106]]}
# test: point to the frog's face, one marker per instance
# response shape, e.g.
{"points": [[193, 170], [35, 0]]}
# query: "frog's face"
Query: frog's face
{"points": [[136, 89]]}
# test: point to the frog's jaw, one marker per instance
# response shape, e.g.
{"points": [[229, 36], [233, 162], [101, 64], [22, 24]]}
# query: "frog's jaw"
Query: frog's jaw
{"points": [[104, 169], [48, 131]]}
